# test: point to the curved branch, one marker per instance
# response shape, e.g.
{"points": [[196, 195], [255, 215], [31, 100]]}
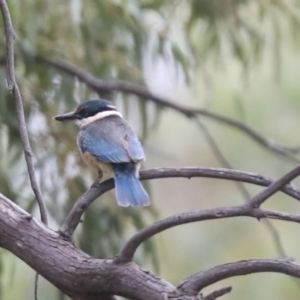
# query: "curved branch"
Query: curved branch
{"points": [[197, 282], [249, 209], [13, 87], [73, 219], [128, 251], [102, 86], [80, 206]]}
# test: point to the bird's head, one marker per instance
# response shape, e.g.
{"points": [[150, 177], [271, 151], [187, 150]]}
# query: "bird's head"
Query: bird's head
{"points": [[89, 111]]}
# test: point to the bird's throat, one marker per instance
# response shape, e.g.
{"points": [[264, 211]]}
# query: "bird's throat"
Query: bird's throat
{"points": [[98, 116]]}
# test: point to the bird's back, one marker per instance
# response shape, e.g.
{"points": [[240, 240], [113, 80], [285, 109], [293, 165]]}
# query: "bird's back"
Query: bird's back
{"points": [[111, 140]]}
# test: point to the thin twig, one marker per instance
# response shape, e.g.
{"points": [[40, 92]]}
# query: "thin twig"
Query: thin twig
{"points": [[197, 282], [10, 36], [257, 200], [218, 293], [36, 286], [276, 238], [102, 86], [13, 87], [74, 217], [221, 158]]}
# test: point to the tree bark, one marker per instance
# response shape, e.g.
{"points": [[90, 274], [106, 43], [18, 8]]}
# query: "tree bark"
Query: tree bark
{"points": [[72, 271]]}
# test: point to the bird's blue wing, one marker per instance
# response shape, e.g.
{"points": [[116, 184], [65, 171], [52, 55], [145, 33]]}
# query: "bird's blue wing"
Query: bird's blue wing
{"points": [[111, 141], [134, 148]]}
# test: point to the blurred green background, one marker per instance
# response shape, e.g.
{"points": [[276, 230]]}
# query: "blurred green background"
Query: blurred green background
{"points": [[239, 58]]}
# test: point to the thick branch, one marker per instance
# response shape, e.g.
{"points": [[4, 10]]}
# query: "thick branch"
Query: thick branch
{"points": [[82, 277], [75, 273], [197, 282], [102, 86], [95, 191], [13, 86]]}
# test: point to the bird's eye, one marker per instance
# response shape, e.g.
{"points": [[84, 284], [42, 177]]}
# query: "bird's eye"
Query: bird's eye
{"points": [[84, 112]]}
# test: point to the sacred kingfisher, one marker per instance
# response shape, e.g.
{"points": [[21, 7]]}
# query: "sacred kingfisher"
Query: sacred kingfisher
{"points": [[108, 143]]}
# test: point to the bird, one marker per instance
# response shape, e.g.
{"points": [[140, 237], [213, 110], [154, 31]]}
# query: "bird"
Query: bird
{"points": [[108, 143]]}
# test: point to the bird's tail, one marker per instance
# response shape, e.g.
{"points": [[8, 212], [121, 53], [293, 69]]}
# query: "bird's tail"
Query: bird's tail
{"points": [[129, 190]]}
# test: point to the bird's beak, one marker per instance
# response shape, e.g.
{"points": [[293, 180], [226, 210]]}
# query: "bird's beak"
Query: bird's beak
{"points": [[71, 116]]}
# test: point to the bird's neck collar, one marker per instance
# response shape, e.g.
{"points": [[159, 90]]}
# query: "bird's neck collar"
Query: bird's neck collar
{"points": [[98, 116]]}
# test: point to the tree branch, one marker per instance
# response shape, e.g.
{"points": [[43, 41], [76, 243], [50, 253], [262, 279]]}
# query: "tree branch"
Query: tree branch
{"points": [[257, 200], [73, 219], [219, 293], [197, 282], [221, 158], [10, 37], [102, 86], [90, 278], [128, 251], [249, 209], [80, 206], [82, 277], [225, 164], [75, 273], [13, 87]]}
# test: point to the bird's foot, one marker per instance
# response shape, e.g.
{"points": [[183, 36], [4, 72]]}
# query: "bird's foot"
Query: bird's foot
{"points": [[96, 184], [98, 180]]}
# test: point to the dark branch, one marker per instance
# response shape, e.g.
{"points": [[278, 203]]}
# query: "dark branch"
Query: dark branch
{"points": [[131, 246], [274, 187], [197, 282], [219, 293], [13, 86], [95, 191], [91, 278], [102, 86], [249, 209], [74, 217]]}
